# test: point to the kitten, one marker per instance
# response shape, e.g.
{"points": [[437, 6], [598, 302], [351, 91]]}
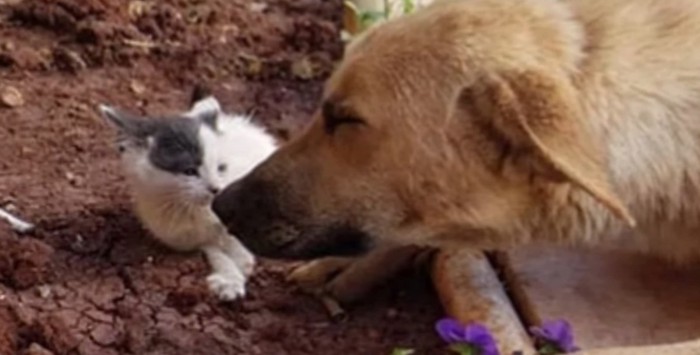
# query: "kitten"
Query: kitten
{"points": [[176, 165]]}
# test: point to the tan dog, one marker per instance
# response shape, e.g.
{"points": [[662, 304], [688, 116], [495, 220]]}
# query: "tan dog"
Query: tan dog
{"points": [[490, 124]]}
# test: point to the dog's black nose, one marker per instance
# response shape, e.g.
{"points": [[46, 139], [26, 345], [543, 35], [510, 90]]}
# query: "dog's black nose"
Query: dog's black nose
{"points": [[250, 209], [224, 204], [247, 208], [214, 190]]}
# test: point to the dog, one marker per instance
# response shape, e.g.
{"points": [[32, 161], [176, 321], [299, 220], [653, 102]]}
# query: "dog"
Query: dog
{"points": [[490, 124]]}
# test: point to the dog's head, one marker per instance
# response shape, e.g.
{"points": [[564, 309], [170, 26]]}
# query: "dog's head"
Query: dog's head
{"points": [[449, 123]]}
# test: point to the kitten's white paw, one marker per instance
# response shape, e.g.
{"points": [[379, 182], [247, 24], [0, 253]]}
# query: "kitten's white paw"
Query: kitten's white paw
{"points": [[228, 287], [245, 263]]}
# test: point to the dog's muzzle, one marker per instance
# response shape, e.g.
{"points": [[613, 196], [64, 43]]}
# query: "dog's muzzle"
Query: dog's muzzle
{"points": [[252, 211]]}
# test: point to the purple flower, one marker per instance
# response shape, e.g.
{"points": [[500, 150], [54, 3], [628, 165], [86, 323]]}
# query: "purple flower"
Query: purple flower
{"points": [[474, 335], [555, 334]]}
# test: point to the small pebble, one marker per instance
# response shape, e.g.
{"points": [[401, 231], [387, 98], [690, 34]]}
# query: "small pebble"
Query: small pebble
{"points": [[303, 69], [11, 97], [137, 87], [69, 59], [44, 291], [137, 9], [258, 7], [36, 349]]}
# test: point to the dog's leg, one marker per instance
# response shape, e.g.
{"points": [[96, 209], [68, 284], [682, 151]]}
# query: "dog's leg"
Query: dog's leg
{"points": [[369, 271], [227, 281], [314, 275], [348, 280]]}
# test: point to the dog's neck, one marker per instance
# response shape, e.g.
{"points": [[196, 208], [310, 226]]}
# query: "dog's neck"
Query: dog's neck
{"points": [[570, 216], [640, 118]]}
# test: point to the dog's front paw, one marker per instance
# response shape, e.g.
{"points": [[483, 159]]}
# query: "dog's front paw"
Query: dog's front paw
{"points": [[227, 287], [314, 275]]}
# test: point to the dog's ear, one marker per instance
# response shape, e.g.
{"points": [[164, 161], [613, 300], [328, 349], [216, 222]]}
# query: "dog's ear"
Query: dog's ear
{"points": [[539, 117]]}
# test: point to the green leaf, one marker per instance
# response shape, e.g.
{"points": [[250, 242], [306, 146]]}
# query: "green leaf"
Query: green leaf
{"points": [[464, 349], [387, 9], [548, 349], [402, 351], [408, 6], [368, 18]]}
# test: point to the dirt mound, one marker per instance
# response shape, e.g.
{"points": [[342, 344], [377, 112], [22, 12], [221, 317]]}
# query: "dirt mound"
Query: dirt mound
{"points": [[90, 280], [93, 34]]}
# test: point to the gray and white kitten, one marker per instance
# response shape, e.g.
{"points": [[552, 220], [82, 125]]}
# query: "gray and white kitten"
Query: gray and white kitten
{"points": [[176, 165]]}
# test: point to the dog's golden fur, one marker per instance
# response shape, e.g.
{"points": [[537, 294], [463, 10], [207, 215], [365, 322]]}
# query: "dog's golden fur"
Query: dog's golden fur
{"points": [[491, 124]]}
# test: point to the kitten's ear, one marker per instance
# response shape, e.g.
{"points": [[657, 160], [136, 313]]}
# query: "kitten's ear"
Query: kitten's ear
{"points": [[199, 92], [207, 110], [126, 123]]}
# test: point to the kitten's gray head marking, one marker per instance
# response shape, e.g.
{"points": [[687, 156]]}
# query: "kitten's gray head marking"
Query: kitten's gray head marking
{"points": [[176, 147], [173, 142]]}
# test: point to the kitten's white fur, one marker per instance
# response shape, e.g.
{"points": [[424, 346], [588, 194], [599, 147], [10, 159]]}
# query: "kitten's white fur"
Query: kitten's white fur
{"points": [[177, 208]]}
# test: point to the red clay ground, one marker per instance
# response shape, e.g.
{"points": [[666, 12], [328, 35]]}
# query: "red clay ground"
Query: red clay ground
{"points": [[89, 280]]}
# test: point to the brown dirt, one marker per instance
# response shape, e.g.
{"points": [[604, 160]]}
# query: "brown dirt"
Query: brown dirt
{"points": [[89, 280]]}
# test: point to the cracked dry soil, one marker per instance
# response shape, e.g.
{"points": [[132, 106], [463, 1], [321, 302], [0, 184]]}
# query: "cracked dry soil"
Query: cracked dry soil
{"points": [[89, 280]]}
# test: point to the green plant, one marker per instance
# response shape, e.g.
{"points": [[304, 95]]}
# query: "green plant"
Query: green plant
{"points": [[358, 20], [408, 6], [369, 18], [402, 351]]}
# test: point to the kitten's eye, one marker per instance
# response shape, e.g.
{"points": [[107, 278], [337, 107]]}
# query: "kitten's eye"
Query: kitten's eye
{"points": [[222, 168], [334, 117], [190, 172]]}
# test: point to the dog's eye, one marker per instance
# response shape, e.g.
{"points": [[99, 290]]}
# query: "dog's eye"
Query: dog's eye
{"points": [[333, 117], [331, 124]]}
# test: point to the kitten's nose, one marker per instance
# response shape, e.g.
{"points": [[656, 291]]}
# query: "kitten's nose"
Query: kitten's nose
{"points": [[214, 190]]}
